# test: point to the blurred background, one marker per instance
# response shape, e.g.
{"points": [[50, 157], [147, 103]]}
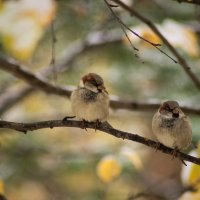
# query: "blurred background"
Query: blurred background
{"points": [[70, 163]]}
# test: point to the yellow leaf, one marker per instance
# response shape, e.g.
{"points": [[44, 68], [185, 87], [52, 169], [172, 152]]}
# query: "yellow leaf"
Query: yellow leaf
{"points": [[144, 32], [18, 46], [179, 35], [108, 169], [191, 173], [2, 190], [22, 24], [133, 157]]}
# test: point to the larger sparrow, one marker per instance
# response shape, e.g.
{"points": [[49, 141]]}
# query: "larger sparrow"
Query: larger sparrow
{"points": [[90, 101], [171, 126]]}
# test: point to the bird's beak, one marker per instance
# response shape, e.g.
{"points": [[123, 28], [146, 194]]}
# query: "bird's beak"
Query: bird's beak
{"points": [[102, 88], [175, 112]]}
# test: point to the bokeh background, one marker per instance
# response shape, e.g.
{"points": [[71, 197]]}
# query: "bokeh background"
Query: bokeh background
{"points": [[70, 163]]}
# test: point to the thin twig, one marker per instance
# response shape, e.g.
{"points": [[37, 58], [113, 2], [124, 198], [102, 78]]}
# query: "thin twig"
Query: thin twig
{"points": [[53, 49], [180, 59], [123, 26], [136, 34], [68, 56], [104, 127]]}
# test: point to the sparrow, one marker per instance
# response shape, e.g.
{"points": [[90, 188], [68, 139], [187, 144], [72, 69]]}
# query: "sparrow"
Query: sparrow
{"points": [[90, 101], [171, 126]]}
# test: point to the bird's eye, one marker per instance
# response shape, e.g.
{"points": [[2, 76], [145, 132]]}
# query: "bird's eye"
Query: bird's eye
{"points": [[167, 108], [94, 82]]}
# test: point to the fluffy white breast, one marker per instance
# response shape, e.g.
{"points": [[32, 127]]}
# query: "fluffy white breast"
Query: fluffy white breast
{"points": [[91, 110], [176, 133]]}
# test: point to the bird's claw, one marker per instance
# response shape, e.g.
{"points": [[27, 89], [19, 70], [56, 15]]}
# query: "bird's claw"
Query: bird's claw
{"points": [[174, 152], [97, 125], [157, 145], [84, 125]]}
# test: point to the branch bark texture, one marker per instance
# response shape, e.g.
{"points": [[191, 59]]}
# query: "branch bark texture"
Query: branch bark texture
{"points": [[104, 127]]}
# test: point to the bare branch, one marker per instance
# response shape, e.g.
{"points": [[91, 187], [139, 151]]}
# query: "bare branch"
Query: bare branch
{"points": [[53, 50], [40, 83], [68, 56], [104, 127], [92, 41], [180, 59], [32, 79], [124, 26], [146, 106], [189, 1]]}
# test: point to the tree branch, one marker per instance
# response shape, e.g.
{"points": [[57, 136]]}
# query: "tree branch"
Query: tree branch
{"points": [[104, 127], [34, 80], [180, 59], [92, 41], [124, 26], [189, 1], [40, 83], [146, 106], [68, 56]]}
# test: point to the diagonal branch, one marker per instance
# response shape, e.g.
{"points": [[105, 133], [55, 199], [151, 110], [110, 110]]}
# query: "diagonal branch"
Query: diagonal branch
{"points": [[124, 26], [104, 127], [32, 79], [189, 1], [92, 41], [122, 23], [180, 59], [40, 83]]}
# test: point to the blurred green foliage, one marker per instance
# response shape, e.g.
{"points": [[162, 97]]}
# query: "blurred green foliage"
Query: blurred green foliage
{"points": [[61, 163]]}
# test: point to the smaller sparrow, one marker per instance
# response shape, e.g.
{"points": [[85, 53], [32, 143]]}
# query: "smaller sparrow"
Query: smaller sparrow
{"points": [[171, 126], [90, 101]]}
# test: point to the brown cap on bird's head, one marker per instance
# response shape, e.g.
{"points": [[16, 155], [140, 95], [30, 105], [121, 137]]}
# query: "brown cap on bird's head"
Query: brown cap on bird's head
{"points": [[94, 80], [170, 106]]}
